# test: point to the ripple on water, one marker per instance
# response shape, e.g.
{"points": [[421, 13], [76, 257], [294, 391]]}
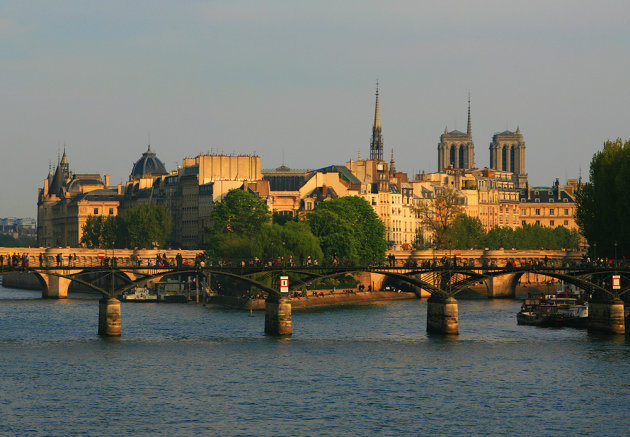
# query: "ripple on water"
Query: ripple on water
{"points": [[185, 369]]}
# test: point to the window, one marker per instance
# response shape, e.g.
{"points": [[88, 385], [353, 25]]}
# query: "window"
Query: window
{"points": [[551, 223], [538, 222], [95, 211], [111, 211], [566, 212], [523, 212], [551, 211], [537, 211], [550, 200], [523, 222], [566, 222], [565, 200]]}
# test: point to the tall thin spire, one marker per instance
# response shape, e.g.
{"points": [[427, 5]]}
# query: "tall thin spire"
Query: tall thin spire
{"points": [[469, 132], [377, 112], [376, 144], [392, 166]]}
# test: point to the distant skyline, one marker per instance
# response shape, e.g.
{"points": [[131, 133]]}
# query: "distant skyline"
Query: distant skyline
{"points": [[295, 82]]}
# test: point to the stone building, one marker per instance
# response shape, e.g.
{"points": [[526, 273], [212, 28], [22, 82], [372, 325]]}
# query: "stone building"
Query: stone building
{"points": [[507, 153], [549, 206], [67, 200], [189, 193], [292, 192], [456, 149]]}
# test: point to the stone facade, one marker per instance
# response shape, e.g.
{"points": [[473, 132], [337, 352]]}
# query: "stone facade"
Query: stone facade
{"points": [[507, 153], [549, 206]]}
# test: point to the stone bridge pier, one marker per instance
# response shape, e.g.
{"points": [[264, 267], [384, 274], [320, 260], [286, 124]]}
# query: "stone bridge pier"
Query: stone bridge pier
{"points": [[606, 317], [109, 321], [503, 286], [278, 316], [56, 287], [442, 315]]}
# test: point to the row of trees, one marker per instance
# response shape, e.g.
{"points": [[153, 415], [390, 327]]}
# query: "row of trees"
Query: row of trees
{"points": [[468, 233], [142, 226], [339, 230], [9, 241]]}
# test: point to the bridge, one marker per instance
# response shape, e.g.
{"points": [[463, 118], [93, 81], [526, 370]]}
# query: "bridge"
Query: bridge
{"points": [[441, 282]]}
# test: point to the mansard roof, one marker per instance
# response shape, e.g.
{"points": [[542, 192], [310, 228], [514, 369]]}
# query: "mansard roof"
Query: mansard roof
{"points": [[343, 171], [104, 195]]}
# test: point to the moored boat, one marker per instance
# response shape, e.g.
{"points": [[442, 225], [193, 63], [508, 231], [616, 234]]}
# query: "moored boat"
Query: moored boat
{"points": [[552, 310], [138, 294]]}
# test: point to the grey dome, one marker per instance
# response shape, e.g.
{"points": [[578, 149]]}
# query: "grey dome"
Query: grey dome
{"points": [[148, 165]]}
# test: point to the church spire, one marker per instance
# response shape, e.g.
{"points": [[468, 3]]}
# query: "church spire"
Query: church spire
{"points": [[377, 112], [376, 144], [469, 132], [392, 167]]}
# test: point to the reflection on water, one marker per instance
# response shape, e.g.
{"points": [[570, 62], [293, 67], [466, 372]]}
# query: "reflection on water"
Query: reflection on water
{"points": [[364, 370]]}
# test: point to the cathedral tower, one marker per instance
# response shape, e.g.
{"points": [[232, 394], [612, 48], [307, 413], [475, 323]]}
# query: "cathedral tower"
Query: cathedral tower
{"points": [[456, 149], [507, 153]]}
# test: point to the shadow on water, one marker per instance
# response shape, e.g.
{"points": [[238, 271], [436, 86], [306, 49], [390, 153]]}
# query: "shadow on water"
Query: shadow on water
{"points": [[342, 308]]}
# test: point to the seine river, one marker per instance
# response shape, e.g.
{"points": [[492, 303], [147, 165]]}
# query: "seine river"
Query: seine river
{"points": [[183, 370]]}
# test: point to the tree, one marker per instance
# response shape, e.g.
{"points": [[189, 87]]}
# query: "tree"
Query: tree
{"points": [[293, 239], [530, 237], [438, 213], [102, 232], [603, 204], [145, 224], [349, 229], [464, 233], [237, 223], [240, 213]]}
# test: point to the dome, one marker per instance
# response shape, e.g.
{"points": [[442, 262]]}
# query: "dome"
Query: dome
{"points": [[147, 165]]}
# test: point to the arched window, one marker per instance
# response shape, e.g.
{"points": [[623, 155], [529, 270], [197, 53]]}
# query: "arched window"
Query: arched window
{"points": [[462, 160], [452, 156], [503, 158], [512, 159]]}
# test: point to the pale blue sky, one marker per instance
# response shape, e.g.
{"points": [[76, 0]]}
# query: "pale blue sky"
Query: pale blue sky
{"points": [[297, 78]]}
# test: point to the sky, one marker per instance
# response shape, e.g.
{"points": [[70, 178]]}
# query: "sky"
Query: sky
{"points": [[294, 82]]}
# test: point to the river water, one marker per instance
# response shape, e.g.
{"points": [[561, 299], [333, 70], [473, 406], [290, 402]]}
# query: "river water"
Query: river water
{"points": [[185, 370]]}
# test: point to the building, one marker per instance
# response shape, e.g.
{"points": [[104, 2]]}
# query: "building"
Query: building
{"points": [[549, 206], [507, 154], [456, 149], [67, 200], [189, 193]]}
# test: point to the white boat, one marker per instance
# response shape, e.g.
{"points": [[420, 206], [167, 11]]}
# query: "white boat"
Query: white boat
{"points": [[138, 294]]}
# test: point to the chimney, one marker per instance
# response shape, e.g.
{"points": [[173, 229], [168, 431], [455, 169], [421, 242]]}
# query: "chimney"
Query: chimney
{"points": [[107, 180]]}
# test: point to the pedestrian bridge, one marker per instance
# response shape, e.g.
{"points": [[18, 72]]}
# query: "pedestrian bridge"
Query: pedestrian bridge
{"points": [[442, 283]]}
